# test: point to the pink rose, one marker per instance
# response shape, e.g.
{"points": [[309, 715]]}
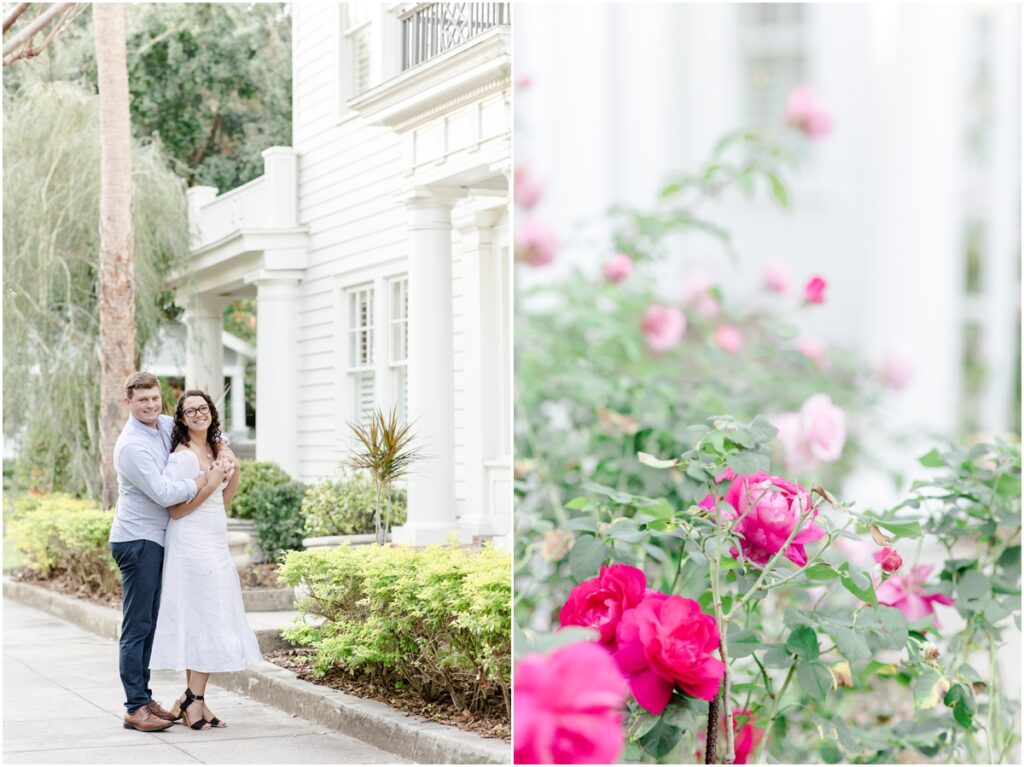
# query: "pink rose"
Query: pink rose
{"points": [[746, 738], [804, 112], [813, 349], [663, 327], [599, 603], [890, 559], [618, 267], [814, 291], [896, 369], [791, 437], [707, 307], [524, 82], [668, 641], [823, 427], [568, 707], [697, 284], [528, 190], [776, 277], [536, 244], [729, 339], [769, 509], [906, 594]]}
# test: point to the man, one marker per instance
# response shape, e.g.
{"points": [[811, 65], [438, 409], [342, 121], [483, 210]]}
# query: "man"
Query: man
{"points": [[137, 537]]}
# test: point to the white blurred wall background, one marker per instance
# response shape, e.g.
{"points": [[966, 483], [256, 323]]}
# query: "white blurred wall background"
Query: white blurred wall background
{"points": [[910, 208]]}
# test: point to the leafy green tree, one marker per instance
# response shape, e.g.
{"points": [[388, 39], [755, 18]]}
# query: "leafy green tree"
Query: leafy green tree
{"points": [[51, 240], [212, 81]]}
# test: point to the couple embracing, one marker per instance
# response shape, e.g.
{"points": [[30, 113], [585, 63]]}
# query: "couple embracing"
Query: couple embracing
{"points": [[182, 600]]}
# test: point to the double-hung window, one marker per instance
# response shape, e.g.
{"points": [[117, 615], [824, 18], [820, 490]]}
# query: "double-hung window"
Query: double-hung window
{"points": [[361, 364], [398, 343]]}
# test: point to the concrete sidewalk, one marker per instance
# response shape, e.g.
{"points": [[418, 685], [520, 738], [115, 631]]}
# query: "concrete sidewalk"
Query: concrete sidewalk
{"points": [[63, 703]]}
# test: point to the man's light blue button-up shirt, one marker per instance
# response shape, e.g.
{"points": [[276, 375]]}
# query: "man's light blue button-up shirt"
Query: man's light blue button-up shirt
{"points": [[143, 493]]}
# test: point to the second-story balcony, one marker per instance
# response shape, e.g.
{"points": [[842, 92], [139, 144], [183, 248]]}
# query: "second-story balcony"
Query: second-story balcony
{"points": [[430, 29]]}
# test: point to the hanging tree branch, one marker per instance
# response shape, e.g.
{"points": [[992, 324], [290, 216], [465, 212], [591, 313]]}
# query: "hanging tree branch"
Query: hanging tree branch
{"points": [[19, 46]]}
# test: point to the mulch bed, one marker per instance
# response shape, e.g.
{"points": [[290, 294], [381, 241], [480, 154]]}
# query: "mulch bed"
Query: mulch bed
{"points": [[491, 724], [261, 577]]}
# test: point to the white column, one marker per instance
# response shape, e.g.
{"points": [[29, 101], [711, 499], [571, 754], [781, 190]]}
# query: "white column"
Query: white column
{"points": [[281, 171], [475, 239], [238, 400], [204, 348], [197, 197], [277, 367], [431, 514]]}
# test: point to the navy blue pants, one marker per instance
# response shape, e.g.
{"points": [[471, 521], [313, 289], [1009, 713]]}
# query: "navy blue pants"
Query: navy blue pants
{"points": [[141, 563]]}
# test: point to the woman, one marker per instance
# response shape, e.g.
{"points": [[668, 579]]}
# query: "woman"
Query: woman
{"points": [[201, 625]]}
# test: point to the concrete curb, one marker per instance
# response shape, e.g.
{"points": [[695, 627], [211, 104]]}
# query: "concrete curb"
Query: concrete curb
{"points": [[375, 723], [268, 600]]}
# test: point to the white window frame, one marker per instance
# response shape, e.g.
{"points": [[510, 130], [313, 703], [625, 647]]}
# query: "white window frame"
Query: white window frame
{"points": [[398, 350], [379, 279], [358, 364], [760, 40]]}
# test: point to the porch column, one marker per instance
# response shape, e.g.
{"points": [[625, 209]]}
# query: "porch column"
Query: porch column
{"points": [[204, 347], [431, 515], [238, 400], [475, 229], [277, 361]]}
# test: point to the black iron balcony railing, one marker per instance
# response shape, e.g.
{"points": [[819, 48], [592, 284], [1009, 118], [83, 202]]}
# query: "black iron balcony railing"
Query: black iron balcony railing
{"points": [[430, 29]]}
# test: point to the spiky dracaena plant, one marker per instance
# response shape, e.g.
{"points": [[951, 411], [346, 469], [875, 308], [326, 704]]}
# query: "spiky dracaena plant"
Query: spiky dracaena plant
{"points": [[387, 453]]}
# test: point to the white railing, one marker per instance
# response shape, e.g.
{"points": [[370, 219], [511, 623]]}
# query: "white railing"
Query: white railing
{"points": [[246, 207], [430, 29]]}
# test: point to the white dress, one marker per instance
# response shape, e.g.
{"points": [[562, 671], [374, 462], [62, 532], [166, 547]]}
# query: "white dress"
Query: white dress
{"points": [[201, 624]]}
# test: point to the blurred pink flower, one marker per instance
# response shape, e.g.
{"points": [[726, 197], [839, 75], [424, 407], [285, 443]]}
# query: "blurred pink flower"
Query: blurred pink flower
{"points": [[803, 111], [536, 244], [568, 707], [729, 338], [768, 508], [896, 369], [707, 307], [791, 438], [695, 285], [618, 267], [598, 603], [812, 348], [906, 593], [668, 641], [528, 189], [524, 82], [663, 326], [814, 291], [889, 558], [859, 552], [776, 277], [823, 426]]}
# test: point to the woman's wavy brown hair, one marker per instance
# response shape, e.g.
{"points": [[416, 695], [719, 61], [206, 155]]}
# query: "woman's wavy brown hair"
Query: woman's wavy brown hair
{"points": [[179, 434]]}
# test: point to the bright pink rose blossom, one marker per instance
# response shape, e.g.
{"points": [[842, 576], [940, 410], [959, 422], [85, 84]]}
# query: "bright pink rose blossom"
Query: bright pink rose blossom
{"points": [[906, 593], [528, 189], [536, 244], [668, 641], [804, 112], [568, 707], [771, 508], [823, 426], [729, 338], [618, 267], [599, 603], [812, 348], [776, 277], [814, 290], [889, 558], [663, 327]]}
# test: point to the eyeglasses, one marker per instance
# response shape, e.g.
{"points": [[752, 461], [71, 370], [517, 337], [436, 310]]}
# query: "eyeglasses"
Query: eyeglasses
{"points": [[191, 412]]}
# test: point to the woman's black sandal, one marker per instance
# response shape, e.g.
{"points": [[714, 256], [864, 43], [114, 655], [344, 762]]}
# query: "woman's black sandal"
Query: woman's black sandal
{"points": [[215, 721], [179, 711]]}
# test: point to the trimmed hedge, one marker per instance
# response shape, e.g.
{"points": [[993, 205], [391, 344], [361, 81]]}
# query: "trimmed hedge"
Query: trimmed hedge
{"points": [[255, 475], [436, 619], [276, 514], [344, 506], [58, 533]]}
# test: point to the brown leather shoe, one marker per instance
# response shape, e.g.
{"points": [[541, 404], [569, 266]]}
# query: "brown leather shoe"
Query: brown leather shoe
{"points": [[159, 711], [143, 719]]}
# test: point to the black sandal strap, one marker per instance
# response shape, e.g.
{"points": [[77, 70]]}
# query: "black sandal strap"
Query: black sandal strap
{"points": [[215, 722], [199, 725]]}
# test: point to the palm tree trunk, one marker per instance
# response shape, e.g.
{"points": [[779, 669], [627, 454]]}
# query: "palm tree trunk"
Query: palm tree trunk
{"points": [[116, 279]]}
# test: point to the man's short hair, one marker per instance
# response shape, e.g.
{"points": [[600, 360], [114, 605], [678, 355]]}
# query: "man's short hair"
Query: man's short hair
{"points": [[139, 380]]}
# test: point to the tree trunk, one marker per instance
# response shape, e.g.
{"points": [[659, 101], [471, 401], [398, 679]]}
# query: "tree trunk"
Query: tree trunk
{"points": [[116, 279]]}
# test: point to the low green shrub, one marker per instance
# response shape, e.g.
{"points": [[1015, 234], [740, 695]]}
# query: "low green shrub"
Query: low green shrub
{"points": [[344, 506], [436, 619], [277, 516], [61, 534], [255, 475]]}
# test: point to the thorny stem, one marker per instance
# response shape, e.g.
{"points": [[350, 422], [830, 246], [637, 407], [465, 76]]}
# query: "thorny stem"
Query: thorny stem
{"points": [[711, 749], [722, 623], [773, 715]]}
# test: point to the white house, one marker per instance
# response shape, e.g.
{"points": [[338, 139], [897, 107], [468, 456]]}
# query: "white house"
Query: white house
{"points": [[377, 249]]}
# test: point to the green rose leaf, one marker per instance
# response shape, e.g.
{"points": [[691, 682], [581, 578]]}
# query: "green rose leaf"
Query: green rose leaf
{"points": [[661, 739], [803, 642], [586, 557], [821, 572], [657, 463], [851, 645], [858, 584], [973, 585], [901, 529], [927, 689], [931, 460], [814, 678]]}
